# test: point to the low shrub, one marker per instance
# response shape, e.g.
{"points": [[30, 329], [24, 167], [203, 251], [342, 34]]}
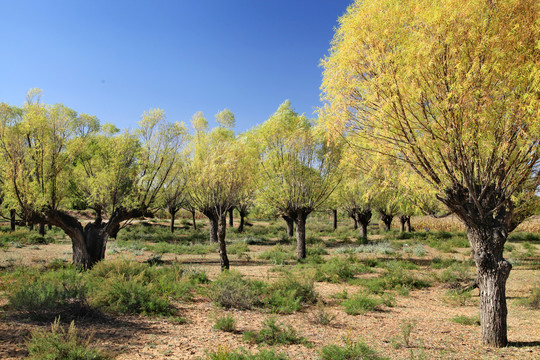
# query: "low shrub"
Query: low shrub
{"points": [[456, 274], [339, 269], [231, 290], [125, 295], [47, 294], [59, 344], [457, 297], [225, 323], [273, 333], [289, 294], [360, 304]]}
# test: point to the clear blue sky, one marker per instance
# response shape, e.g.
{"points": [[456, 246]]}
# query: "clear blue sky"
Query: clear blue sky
{"points": [[116, 59]]}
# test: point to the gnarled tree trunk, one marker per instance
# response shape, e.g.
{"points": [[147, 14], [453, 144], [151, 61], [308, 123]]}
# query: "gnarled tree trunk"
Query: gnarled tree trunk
{"points": [[334, 219], [408, 226], [386, 219], [89, 242], [403, 221], [213, 220], [492, 273], [290, 225], [301, 233], [222, 230], [12, 219], [193, 217], [362, 218], [243, 214], [231, 219], [41, 228], [172, 211]]}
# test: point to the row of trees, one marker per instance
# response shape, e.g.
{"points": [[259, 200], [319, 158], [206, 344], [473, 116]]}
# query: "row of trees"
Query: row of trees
{"points": [[56, 160]]}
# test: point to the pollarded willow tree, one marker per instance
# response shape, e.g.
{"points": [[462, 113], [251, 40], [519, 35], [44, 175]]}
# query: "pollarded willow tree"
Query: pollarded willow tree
{"points": [[51, 153], [216, 180], [453, 91], [298, 168]]}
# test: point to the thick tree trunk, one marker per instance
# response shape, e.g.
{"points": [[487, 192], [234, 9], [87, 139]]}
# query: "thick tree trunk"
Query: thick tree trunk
{"points": [[387, 220], [222, 231], [355, 226], [41, 229], [408, 227], [213, 228], [301, 234], [334, 218], [193, 217], [12, 219], [290, 225], [242, 220], [231, 219], [493, 271], [172, 212], [362, 219], [404, 223]]}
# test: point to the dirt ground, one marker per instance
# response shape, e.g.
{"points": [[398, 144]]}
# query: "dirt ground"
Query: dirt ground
{"points": [[433, 337]]}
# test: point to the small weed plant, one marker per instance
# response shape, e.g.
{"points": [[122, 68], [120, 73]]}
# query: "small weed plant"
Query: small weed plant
{"points": [[60, 344], [273, 333], [225, 323]]}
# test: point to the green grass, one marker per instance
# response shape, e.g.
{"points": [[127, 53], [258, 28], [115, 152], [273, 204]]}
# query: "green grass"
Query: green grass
{"points": [[466, 320], [360, 304]]}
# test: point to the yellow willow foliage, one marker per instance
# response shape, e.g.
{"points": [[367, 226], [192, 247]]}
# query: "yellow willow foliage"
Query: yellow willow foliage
{"points": [[451, 88]]}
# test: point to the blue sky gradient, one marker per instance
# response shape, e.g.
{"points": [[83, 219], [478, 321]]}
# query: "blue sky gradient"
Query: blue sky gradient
{"points": [[116, 59]]}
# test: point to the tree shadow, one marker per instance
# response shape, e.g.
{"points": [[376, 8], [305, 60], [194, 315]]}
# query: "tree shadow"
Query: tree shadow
{"points": [[524, 344], [115, 331]]}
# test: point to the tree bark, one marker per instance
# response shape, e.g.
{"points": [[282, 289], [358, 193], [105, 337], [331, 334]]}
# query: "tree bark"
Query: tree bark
{"points": [[213, 228], [12, 219], [89, 243], [355, 226], [290, 225], [231, 220], [172, 212], [222, 231], [242, 220], [362, 219], [493, 271], [334, 218], [403, 223], [387, 220], [41, 229], [408, 226], [193, 217], [301, 234]]}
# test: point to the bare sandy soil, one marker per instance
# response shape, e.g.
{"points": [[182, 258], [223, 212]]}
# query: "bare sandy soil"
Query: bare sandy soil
{"points": [[433, 337]]}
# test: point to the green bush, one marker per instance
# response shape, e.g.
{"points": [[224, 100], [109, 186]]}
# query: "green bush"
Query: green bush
{"points": [[59, 344], [351, 351], [125, 295], [47, 293], [273, 333], [290, 294], [225, 323], [360, 304], [231, 290]]}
